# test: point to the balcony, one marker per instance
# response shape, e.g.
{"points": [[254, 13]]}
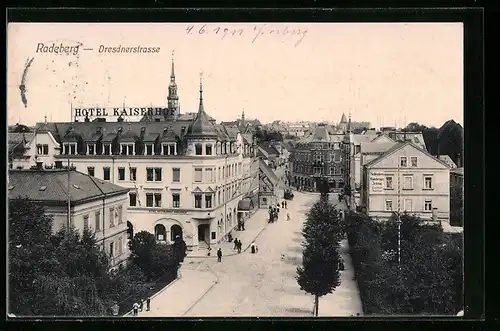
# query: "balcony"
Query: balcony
{"points": [[203, 215]]}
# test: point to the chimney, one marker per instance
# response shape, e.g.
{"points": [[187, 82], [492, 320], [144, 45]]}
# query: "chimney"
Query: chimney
{"points": [[120, 119]]}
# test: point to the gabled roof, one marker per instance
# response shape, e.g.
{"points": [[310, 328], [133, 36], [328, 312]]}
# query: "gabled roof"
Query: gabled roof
{"points": [[268, 172], [399, 146], [52, 186], [448, 161], [376, 147]]}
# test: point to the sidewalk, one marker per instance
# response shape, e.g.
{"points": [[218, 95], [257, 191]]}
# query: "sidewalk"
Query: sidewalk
{"points": [[345, 300], [253, 228], [178, 298]]}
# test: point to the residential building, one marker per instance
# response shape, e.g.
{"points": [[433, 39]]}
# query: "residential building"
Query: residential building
{"points": [[316, 156], [268, 186], [95, 204], [457, 178], [406, 178]]}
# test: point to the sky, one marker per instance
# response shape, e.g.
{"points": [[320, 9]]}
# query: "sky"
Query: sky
{"points": [[384, 73]]}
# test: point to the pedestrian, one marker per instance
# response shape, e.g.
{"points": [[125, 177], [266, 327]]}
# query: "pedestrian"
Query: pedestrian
{"points": [[253, 248], [288, 216], [286, 205], [115, 309], [235, 243], [136, 308], [141, 304], [278, 209], [148, 304], [282, 204], [219, 255]]}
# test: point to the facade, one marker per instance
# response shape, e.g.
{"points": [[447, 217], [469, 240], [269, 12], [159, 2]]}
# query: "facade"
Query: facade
{"points": [[407, 178], [317, 156], [94, 204], [268, 186], [186, 177], [457, 178]]}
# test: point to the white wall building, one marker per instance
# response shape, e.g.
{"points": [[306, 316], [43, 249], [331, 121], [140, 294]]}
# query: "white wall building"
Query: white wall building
{"points": [[95, 204], [407, 178]]}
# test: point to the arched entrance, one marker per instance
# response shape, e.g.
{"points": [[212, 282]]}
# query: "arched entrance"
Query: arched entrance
{"points": [[130, 230], [175, 230], [160, 232]]}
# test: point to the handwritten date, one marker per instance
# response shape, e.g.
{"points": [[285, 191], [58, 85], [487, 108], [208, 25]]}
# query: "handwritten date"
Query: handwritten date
{"points": [[222, 32], [253, 34]]}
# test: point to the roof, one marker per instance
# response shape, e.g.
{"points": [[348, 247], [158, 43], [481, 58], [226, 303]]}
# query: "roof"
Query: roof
{"points": [[269, 148], [268, 172], [448, 160], [399, 146], [52, 186], [16, 139], [343, 119], [202, 126], [458, 171], [375, 147]]}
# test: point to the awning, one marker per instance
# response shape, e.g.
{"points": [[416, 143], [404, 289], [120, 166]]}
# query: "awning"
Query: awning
{"points": [[245, 204]]}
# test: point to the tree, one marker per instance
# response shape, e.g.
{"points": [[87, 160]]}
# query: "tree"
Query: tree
{"points": [[319, 273], [415, 127], [456, 206], [323, 187]]}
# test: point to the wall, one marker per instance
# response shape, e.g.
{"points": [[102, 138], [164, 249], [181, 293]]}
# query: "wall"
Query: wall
{"points": [[427, 165], [106, 234], [38, 139]]}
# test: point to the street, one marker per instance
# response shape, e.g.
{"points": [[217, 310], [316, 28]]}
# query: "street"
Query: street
{"points": [[261, 284]]}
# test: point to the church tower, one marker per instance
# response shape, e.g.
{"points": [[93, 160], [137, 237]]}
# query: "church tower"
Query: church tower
{"points": [[173, 98]]}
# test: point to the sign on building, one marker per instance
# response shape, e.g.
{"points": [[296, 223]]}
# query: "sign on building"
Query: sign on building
{"points": [[376, 182]]}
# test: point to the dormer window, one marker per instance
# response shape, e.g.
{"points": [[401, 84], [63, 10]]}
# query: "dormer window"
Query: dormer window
{"points": [[169, 149], [91, 149], [69, 148], [208, 149], [198, 149], [107, 149], [149, 149], [127, 149], [183, 130]]}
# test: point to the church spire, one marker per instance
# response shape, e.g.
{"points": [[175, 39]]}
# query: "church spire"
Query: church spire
{"points": [[172, 73], [173, 98], [201, 108], [349, 123]]}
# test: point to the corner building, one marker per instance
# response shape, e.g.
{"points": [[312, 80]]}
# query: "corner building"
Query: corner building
{"points": [[186, 178]]}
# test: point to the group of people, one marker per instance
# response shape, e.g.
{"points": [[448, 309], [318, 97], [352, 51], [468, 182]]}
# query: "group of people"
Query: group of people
{"points": [[237, 245], [140, 306], [275, 210]]}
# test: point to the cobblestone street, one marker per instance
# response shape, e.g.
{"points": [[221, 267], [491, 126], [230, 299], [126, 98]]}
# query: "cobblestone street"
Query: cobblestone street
{"points": [[261, 284]]}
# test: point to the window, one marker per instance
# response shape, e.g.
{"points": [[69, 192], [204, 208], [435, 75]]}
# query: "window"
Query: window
{"points": [[408, 205], [337, 157], [208, 149], [98, 221], [171, 149], [120, 246], [428, 205], [121, 173], [157, 197], [413, 160], [198, 149], [197, 201], [198, 175], [403, 162], [120, 214], [428, 182], [149, 199], [38, 149], [45, 149], [130, 149], [133, 174], [149, 149], [209, 175], [158, 174], [133, 199], [124, 150], [388, 183], [176, 175], [165, 149], [111, 249], [388, 205], [85, 222], [91, 171], [107, 149], [91, 149], [111, 217], [73, 149], [208, 201], [176, 200], [337, 171], [106, 171], [408, 183], [149, 174]]}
